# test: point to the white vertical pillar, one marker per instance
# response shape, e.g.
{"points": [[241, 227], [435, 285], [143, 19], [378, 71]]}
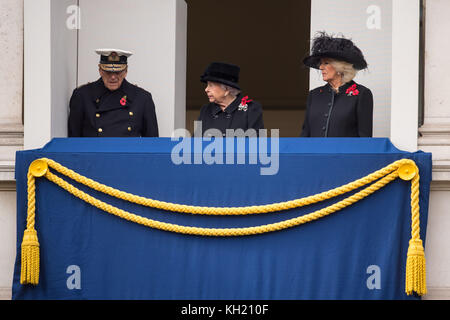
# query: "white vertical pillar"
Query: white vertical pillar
{"points": [[435, 132], [180, 65], [11, 85], [50, 50], [11, 133], [405, 73], [11, 33], [37, 72], [64, 32]]}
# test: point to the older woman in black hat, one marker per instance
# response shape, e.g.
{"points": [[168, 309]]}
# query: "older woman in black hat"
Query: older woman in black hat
{"points": [[227, 107], [342, 107]]}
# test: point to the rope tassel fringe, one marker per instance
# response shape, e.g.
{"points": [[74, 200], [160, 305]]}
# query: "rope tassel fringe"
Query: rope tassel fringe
{"points": [[415, 268], [30, 258]]}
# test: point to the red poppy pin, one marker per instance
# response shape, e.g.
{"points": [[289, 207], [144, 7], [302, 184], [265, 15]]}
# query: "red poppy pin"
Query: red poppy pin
{"points": [[243, 106], [123, 101], [352, 91]]}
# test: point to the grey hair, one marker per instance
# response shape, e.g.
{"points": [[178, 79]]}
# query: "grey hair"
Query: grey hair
{"points": [[345, 69], [233, 91]]}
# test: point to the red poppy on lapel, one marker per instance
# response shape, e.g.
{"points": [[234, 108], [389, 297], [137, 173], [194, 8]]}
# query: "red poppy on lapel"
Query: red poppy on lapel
{"points": [[123, 101], [245, 100], [244, 105], [352, 91]]}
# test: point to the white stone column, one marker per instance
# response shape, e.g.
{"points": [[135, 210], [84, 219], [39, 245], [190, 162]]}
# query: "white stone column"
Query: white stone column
{"points": [[11, 132], [436, 128], [50, 69], [435, 138], [405, 73]]}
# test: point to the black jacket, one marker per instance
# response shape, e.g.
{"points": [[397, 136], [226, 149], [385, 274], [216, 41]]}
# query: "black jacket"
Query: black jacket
{"points": [[331, 114], [96, 111], [233, 117]]}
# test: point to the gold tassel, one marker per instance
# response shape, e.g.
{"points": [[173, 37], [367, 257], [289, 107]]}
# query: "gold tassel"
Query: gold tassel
{"points": [[415, 261], [30, 244], [415, 268], [30, 258]]}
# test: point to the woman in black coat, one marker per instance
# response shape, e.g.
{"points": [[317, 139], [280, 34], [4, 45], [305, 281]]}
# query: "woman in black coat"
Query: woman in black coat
{"points": [[342, 107], [227, 107]]}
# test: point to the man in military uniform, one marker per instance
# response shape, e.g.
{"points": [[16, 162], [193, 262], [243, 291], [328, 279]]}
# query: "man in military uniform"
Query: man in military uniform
{"points": [[111, 106]]}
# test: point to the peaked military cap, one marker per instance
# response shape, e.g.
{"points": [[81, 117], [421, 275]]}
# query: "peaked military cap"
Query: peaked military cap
{"points": [[113, 60]]}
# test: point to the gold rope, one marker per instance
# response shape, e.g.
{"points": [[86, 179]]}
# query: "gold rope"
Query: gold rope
{"points": [[221, 232], [224, 210], [415, 274]]}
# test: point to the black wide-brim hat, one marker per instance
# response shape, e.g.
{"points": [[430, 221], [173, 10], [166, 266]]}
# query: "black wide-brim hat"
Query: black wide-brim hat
{"points": [[326, 46], [221, 72]]}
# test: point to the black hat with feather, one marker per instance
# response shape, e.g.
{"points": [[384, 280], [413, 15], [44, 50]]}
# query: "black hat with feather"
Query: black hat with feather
{"points": [[326, 46]]}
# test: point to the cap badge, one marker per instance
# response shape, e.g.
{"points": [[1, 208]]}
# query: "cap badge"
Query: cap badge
{"points": [[113, 57]]}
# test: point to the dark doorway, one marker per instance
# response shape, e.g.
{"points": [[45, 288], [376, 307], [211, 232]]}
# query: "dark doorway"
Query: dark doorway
{"points": [[268, 40]]}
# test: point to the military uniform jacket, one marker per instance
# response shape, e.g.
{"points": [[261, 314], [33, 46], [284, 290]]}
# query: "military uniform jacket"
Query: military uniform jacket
{"points": [[348, 113], [96, 111], [233, 117]]}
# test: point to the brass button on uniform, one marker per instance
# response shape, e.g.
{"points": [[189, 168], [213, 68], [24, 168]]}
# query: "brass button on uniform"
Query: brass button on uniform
{"points": [[130, 113], [97, 115], [129, 128], [100, 130]]}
